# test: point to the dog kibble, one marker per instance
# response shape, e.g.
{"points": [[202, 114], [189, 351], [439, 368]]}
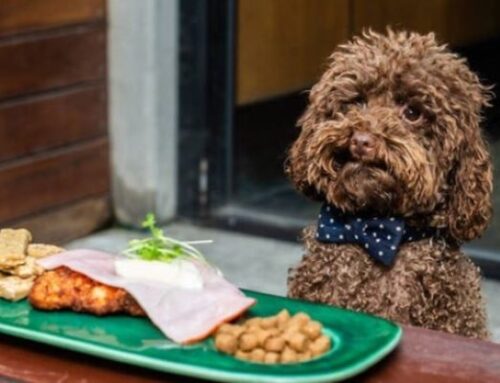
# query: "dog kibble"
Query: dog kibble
{"points": [[267, 323], [303, 356], [281, 338], [320, 345], [288, 355], [253, 322], [300, 319], [263, 335], [282, 317], [298, 342], [231, 329], [248, 341], [275, 344], [272, 357], [257, 355], [312, 330], [242, 355], [226, 343]]}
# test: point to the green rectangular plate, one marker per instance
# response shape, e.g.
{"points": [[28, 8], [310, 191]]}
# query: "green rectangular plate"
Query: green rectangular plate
{"points": [[359, 341]]}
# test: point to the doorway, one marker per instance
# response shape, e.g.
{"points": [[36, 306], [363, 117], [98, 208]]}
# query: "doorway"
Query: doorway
{"points": [[246, 67]]}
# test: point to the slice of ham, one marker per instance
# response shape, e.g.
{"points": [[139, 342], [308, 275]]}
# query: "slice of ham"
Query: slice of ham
{"points": [[183, 315]]}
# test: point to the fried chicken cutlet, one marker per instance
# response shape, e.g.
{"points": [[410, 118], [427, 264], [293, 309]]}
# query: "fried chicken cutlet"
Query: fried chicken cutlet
{"points": [[63, 288]]}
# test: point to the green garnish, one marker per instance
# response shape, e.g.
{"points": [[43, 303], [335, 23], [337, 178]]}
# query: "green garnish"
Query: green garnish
{"points": [[158, 247]]}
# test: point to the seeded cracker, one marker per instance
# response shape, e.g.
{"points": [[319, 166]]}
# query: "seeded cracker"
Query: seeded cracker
{"points": [[28, 269], [41, 250], [15, 288], [13, 246]]}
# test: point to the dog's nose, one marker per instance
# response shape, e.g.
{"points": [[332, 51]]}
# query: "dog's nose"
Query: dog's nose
{"points": [[362, 144]]}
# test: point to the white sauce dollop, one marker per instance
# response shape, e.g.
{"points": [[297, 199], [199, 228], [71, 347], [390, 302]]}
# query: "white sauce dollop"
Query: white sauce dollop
{"points": [[177, 273]]}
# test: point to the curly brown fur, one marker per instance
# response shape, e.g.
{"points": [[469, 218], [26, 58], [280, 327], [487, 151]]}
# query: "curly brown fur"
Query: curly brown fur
{"points": [[421, 107], [430, 285]]}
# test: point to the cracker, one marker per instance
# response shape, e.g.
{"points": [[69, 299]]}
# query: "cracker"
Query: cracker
{"points": [[28, 269], [15, 288], [13, 246], [41, 250]]}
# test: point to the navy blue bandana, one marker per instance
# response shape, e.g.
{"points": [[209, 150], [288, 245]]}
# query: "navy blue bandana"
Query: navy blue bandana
{"points": [[380, 237]]}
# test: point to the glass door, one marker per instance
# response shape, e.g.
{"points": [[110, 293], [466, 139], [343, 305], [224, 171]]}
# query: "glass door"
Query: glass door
{"points": [[246, 67]]}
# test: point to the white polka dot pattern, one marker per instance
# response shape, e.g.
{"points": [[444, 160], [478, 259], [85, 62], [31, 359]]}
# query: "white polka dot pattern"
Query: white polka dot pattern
{"points": [[381, 237]]}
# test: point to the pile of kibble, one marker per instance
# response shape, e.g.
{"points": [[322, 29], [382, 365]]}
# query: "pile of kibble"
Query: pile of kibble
{"points": [[276, 339]]}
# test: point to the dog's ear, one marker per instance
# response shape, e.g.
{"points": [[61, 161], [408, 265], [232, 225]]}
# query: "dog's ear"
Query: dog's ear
{"points": [[471, 182], [320, 107], [297, 162]]}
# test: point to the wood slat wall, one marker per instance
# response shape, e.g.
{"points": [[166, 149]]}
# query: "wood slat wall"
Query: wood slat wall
{"points": [[59, 225], [27, 15], [54, 151], [49, 62], [34, 123], [283, 44], [54, 178], [457, 22]]}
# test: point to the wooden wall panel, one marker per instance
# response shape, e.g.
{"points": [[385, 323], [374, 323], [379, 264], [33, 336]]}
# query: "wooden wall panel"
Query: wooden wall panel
{"points": [[68, 222], [49, 121], [23, 15], [41, 182], [54, 156], [458, 22], [52, 61], [472, 21], [281, 44]]}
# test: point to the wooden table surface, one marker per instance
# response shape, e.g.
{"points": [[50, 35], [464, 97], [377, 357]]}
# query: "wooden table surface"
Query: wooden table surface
{"points": [[423, 356]]}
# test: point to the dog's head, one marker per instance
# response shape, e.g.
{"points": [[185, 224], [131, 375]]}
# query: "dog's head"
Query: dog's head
{"points": [[392, 127]]}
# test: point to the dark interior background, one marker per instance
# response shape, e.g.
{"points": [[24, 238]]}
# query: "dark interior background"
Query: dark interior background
{"points": [[281, 48]]}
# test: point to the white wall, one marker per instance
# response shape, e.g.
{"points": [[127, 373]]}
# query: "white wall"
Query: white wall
{"points": [[143, 57]]}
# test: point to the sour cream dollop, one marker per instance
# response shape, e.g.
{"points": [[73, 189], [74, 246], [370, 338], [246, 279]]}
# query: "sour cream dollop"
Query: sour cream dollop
{"points": [[177, 273]]}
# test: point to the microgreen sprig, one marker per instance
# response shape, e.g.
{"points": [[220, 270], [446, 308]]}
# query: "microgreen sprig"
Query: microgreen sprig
{"points": [[159, 247]]}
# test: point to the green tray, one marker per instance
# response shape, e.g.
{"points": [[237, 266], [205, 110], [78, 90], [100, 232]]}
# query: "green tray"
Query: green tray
{"points": [[359, 341]]}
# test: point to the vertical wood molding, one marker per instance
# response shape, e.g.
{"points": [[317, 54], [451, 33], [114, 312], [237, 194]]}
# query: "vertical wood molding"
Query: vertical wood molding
{"points": [[143, 56], [283, 45]]}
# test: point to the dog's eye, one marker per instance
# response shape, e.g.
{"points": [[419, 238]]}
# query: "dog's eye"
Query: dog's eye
{"points": [[359, 100], [412, 113], [399, 99], [346, 105]]}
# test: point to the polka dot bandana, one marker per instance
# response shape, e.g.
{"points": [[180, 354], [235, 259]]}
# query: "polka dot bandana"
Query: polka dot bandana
{"points": [[379, 236]]}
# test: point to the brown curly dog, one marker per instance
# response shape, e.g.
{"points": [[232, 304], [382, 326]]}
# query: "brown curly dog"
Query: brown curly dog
{"points": [[392, 129]]}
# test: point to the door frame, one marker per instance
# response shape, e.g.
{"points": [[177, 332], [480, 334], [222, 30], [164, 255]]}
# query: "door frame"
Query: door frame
{"points": [[207, 33], [206, 94]]}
